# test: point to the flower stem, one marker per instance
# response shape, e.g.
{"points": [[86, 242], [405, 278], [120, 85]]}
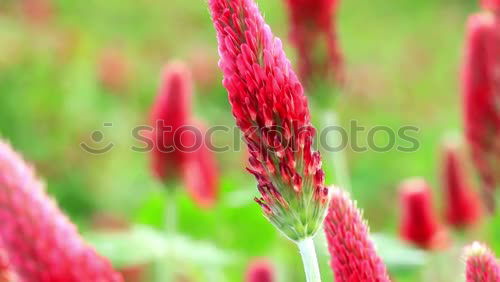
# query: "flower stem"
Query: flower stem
{"points": [[308, 253], [170, 216], [338, 157]]}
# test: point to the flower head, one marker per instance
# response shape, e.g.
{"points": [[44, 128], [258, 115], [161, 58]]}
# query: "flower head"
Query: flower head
{"points": [[462, 206], [113, 70], [180, 150], [353, 254], [170, 115], [314, 35], [260, 271], [40, 241], [270, 107], [481, 88], [419, 224], [37, 11], [481, 264]]}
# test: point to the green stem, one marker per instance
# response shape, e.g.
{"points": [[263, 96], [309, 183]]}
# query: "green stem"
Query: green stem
{"points": [[308, 253], [338, 157], [171, 211]]}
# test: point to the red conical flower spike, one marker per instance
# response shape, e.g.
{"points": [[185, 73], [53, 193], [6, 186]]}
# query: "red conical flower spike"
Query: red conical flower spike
{"points": [[260, 271], [313, 33], [481, 88], [179, 146], [270, 107], [41, 243], [481, 264], [419, 224], [170, 115], [353, 255], [462, 206]]}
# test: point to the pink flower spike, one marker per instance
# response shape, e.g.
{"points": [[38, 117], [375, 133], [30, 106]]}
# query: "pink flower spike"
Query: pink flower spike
{"points": [[419, 224], [312, 27], [171, 112], [260, 270], [480, 89], [41, 243], [462, 205], [480, 264], [270, 107], [353, 255]]}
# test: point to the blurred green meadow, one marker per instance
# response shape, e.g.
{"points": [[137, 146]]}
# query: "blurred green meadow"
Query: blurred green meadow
{"points": [[402, 61]]}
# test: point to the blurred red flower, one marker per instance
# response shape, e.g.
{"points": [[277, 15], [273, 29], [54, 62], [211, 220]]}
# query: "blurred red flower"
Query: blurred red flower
{"points": [[260, 270], [41, 243], [37, 11], [180, 150], [462, 205], [353, 255], [419, 224], [481, 88], [493, 5], [313, 32], [113, 70]]}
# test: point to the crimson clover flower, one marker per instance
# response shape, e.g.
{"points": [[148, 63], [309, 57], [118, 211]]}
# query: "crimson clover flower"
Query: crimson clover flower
{"points": [[353, 254], [40, 242], [481, 92], [480, 264], [269, 106]]}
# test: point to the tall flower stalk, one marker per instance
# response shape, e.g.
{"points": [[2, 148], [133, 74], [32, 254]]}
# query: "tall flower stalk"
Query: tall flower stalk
{"points": [[41, 243], [353, 254], [481, 92], [313, 33], [270, 107], [179, 148], [462, 205], [480, 264], [419, 224]]}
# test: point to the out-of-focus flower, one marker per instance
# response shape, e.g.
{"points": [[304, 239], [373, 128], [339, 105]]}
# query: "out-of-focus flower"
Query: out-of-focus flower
{"points": [[41, 243], [419, 224], [353, 255], [37, 11], [313, 32], [481, 264], [481, 88], [6, 272], [462, 206], [260, 270], [270, 107], [113, 70], [493, 5], [180, 150], [170, 114]]}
